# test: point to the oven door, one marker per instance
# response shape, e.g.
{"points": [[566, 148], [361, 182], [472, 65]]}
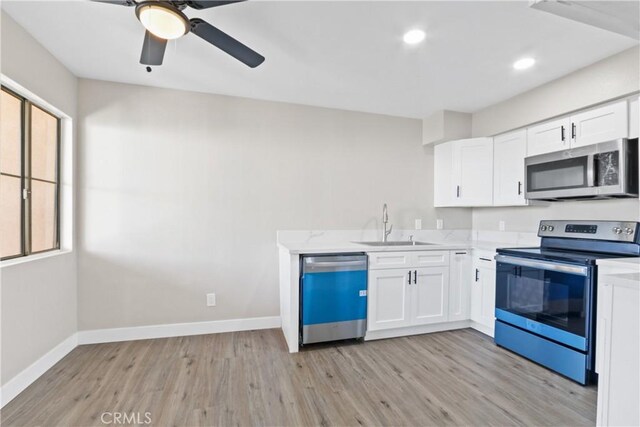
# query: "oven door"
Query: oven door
{"points": [[550, 299]]}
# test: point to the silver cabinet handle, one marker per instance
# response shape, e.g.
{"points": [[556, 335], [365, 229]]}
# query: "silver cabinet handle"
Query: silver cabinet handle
{"points": [[415, 277], [519, 188], [562, 133], [409, 282], [457, 191]]}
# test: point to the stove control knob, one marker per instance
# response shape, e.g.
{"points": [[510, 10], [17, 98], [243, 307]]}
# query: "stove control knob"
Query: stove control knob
{"points": [[628, 230], [617, 230], [550, 228], [543, 228]]}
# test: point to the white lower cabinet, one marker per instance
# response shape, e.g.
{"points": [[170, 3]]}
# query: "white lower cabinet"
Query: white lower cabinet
{"points": [[430, 295], [618, 350], [483, 291], [459, 285], [430, 288], [388, 302]]}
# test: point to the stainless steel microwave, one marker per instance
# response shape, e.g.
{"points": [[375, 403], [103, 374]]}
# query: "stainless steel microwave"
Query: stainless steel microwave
{"points": [[599, 171]]}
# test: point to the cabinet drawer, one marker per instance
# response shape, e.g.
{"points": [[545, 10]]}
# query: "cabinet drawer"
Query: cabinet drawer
{"points": [[430, 259], [413, 259], [378, 260]]}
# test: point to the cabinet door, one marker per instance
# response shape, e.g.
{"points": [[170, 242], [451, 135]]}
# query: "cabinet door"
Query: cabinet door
{"points": [[619, 369], [483, 292], [443, 191], [388, 299], [634, 118], [509, 151], [473, 171], [488, 305], [600, 125], [549, 136], [430, 295], [459, 286]]}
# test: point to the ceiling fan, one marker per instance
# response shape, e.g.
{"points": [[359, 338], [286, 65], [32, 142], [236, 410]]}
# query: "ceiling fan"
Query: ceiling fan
{"points": [[164, 20]]}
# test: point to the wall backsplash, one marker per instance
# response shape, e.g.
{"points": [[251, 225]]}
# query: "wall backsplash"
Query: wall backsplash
{"points": [[526, 218]]}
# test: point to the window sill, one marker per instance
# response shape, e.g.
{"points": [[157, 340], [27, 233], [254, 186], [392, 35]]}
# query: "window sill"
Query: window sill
{"points": [[36, 257]]}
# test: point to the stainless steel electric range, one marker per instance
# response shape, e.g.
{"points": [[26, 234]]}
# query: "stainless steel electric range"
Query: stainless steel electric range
{"points": [[546, 296]]}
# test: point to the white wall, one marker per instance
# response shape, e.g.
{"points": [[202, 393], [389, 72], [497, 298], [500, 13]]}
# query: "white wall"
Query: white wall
{"points": [[614, 77], [38, 308], [610, 78], [181, 194]]}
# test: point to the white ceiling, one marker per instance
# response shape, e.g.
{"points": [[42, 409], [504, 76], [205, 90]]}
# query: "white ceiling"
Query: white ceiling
{"points": [[338, 54]]}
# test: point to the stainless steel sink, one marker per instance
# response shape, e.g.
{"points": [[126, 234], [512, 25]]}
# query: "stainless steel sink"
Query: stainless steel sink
{"points": [[395, 243]]}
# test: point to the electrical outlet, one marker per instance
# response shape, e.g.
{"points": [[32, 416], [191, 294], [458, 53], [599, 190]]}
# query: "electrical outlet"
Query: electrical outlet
{"points": [[501, 225], [211, 300], [418, 224], [439, 224]]}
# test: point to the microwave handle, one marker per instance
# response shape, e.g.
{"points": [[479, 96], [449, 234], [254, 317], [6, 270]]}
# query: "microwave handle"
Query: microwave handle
{"points": [[591, 175]]}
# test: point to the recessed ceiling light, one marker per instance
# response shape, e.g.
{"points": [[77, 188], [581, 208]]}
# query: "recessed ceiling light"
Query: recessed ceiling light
{"points": [[414, 36], [524, 63]]}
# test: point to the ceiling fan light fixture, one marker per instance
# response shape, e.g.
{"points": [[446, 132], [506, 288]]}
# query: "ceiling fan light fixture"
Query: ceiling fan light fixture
{"points": [[162, 20]]}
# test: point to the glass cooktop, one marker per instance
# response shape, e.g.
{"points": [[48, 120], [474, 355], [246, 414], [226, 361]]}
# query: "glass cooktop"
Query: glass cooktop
{"points": [[576, 257]]}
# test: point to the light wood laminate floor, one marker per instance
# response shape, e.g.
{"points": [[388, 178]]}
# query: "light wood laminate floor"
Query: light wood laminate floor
{"points": [[248, 378]]}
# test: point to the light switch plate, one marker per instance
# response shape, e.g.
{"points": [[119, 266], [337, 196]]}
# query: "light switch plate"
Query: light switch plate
{"points": [[418, 224], [211, 300], [439, 224], [501, 226]]}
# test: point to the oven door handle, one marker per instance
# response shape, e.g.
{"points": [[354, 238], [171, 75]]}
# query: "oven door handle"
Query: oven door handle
{"points": [[544, 265]]}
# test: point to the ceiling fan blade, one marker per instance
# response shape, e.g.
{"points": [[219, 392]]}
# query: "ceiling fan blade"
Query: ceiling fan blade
{"points": [[117, 2], [206, 4], [152, 49], [226, 43]]}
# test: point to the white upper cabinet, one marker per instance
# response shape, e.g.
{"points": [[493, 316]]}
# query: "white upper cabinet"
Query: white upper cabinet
{"points": [[463, 173], [509, 151], [600, 124], [473, 172], [590, 127], [634, 118], [549, 136], [443, 193]]}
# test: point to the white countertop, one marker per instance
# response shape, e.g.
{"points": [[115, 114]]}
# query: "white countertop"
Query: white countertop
{"points": [[623, 264], [620, 271], [342, 241], [338, 247], [322, 247]]}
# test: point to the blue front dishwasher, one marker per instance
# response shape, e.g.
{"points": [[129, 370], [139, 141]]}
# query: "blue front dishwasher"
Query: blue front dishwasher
{"points": [[333, 297]]}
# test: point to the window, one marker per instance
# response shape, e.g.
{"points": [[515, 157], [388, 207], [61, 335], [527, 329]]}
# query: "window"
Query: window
{"points": [[29, 177]]}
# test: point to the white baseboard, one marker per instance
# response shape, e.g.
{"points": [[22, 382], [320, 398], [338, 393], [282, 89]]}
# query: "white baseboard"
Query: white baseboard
{"points": [[97, 336], [416, 330], [25, 378]]}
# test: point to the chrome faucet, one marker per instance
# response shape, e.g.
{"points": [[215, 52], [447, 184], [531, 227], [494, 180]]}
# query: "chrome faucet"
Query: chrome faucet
{"points": [[385, 221]]}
